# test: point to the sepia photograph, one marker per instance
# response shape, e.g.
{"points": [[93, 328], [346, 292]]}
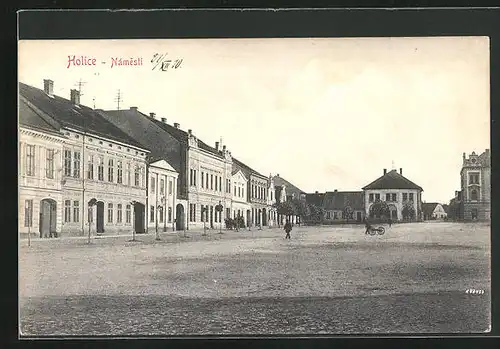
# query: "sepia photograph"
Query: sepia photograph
{"points": [[265, 186]]}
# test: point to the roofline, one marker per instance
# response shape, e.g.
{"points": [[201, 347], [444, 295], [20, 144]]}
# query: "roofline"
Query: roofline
{"points": [[40, 130], [108, 139]]}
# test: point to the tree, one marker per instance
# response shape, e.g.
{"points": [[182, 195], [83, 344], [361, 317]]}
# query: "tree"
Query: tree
{"points": [[301, 208], [379, 209], [316, 213], [408, 211], [348, 212]]}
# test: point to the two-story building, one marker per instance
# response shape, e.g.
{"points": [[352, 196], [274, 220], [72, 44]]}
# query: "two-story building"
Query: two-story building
{"points": [[475, 179], [40, 174], [240, 206], [402, 196], [204, 172], [257, 193], [343, 206], [103, 169]]}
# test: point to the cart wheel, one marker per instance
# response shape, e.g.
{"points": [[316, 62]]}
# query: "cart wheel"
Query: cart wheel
{"points": [[381, 231], [372, 232]]}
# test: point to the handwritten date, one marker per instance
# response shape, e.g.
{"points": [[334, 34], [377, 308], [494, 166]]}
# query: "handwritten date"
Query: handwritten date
{"points": [[161, 62]]}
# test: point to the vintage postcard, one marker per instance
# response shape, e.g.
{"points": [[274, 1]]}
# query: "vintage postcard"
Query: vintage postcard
{"points": [[280, 186]]}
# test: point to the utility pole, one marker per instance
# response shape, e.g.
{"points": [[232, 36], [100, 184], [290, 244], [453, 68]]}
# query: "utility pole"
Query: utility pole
{"points": [[118, 99]]}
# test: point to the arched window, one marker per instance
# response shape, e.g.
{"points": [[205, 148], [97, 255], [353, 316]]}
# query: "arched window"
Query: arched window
{"points": [[473, 194]]}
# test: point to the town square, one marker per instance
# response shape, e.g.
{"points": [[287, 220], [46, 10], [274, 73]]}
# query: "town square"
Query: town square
{"points": [[267, 201]]}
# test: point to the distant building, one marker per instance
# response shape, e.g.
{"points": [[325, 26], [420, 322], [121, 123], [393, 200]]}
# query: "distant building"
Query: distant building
{"points": [[286, 191], [402, 196], [99, 163], [343, 206], [476, 186], [433, 210]]}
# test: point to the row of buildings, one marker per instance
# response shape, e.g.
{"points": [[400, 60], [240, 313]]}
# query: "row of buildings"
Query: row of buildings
{"points": [[85, 170]]}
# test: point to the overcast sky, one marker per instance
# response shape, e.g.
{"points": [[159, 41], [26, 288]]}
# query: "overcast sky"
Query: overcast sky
{"points": [[325, 114]]}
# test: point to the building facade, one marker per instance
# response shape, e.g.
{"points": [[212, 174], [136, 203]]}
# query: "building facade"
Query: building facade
{"points": [[271, 203], [102, 172], [40, 164], [240, 206], [475, 179], [402, 196], [432, 211], [343, 206]]}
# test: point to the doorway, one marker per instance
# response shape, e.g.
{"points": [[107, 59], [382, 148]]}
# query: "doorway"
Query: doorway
{"points": [[48, 218], [139, 211], [358, 216], [99, 222], [179, 217]]}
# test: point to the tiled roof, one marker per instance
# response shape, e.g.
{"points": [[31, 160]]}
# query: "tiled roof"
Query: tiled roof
{"points": [[79, 117], [290, 188], [485, 159], [392, 180], [29, 117], [162, 145], [340, 199], [428, 208], [247, 170], [315, 199]]}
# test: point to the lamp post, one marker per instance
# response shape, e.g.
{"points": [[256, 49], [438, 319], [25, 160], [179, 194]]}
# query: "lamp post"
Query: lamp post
{"points": [[91, 203]]}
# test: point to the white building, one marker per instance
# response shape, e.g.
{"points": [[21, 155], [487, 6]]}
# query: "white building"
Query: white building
{"points": [[103, 169], [240, 205], [433, 210]]}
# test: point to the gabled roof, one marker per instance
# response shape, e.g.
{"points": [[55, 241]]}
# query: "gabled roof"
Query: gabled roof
{"points": [[30, 118], [247, 170], [428, 208], [81, 118], [237, 170], [156, 139], [338, 200], [290, 188], [392, 180]]}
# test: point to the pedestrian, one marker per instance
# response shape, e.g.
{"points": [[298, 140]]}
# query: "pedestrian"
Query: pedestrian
{"points": [[368, 226], [390, 222], [288, 229]]}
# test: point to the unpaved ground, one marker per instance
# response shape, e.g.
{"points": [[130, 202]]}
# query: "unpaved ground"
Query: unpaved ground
{"points": [[261, 270]]}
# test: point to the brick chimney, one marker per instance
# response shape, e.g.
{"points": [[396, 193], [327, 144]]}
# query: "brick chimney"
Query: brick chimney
{"points": [[335, 191], [48, 87], [400, 171], [385, 171], [217, 146], [164, 120], [133, 108], [223, 148], [75, 97], [176, 125], [152, 115], [190, 132]]}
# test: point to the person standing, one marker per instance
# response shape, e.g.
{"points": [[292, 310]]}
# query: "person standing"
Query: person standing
{"points": [[288, 229]]}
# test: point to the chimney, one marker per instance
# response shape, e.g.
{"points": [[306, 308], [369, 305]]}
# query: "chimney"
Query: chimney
{"points": [[217, 146], [75, 97], [316, 192], [48, 87], [463, 156], [224, 148], [487, 151], [400, 171], [176, 125], [335, 191], [133, 108], [152, 115], [190, 132], [277, 174], [385, 171], [164, 120]]}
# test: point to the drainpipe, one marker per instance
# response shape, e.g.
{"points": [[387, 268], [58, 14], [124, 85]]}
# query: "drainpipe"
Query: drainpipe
{"points": [[146, 214], [83, 186]]}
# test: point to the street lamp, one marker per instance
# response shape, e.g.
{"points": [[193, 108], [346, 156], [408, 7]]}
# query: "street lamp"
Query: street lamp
{"points": [[91, 203]]}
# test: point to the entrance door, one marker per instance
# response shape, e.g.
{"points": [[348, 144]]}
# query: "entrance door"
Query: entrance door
{"points": [[139, 211], [179, 217], [264, 217], [48, 217], [358, 216], [99, 221], [474, 214], [249, 218]]}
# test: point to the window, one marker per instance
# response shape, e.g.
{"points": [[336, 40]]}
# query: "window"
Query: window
{"points": [[119, 174], [67, 163], [239, 191], [153, 185], [216, 183], [394, 197], [110, 213], [90, 214], [76, 211], [328, 215], [211, 182], [49, 164], [128, 214], [271, 196], [228, 212], [119, 213], [110, 170], [473, 195], [137, 176], [191, 212], [162, 186], [377, 197], [170, 184], [100, 168], [405, 196], [76, 164], [194, 178], [67, 211], [90, 167], [129, 182], [170, 214], [411, 197], [151, 213], [474, 178], [220, 184], [202, 179], [335, 215], [28, 213], [160, 213], [387, 197], [370, 197]]}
